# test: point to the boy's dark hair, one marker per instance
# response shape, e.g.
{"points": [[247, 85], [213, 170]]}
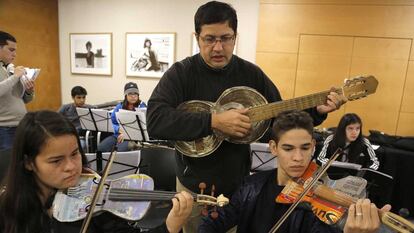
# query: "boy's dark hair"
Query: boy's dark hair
{"points": [[88, 44], [215, 12], [288, 120], [78, 90], [4, 37]]}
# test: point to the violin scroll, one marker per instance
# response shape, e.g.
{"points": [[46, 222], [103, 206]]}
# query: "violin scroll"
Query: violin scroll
{"points": [[210, 200]]}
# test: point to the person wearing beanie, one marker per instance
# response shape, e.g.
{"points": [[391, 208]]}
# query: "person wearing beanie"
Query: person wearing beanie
{"points": [[131, 102]]}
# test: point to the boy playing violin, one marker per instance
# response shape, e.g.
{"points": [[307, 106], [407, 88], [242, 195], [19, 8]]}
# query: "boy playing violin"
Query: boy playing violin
{"points": [[47, 157], [253, 208]]}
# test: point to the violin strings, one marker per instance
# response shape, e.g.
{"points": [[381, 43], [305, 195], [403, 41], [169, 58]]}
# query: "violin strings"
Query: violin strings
{"points": [[132, 194]]}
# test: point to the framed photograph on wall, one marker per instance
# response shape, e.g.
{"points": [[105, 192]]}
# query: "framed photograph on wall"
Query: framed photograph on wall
{"points": [[91, 53], [149, 54], [194, 45]]}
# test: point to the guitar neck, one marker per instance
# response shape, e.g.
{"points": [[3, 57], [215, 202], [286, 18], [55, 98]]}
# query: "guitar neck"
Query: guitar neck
{"points": [[119, 194], [267, 111]]}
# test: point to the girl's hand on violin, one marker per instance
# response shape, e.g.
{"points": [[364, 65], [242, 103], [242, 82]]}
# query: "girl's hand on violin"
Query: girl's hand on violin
{"points": [[363, 217], [182, 206]]}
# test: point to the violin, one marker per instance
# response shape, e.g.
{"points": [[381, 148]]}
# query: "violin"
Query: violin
{"points": [[329, 204], [127, 197]]}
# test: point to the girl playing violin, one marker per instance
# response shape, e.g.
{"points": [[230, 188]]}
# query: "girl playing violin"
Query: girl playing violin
{"points": [[253, 207], [47, 157]]}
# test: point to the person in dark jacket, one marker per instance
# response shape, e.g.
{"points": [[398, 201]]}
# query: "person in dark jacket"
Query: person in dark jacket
{"points": [[47, 157], [253, 207], [205, 76], [348, 135]]}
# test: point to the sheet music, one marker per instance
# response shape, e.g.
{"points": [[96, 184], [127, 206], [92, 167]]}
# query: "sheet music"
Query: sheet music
{"points": [[125, 163], [31, 73], [103, 120], [85, 119], [262, 159], [130, 127]]}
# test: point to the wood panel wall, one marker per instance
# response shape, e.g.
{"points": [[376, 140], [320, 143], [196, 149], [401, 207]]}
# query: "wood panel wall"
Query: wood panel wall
{"points": [[34, 23], [307, 46]]}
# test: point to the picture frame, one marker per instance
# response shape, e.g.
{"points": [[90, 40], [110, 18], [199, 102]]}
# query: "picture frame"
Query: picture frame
{"points": [[91, 53], [149, 54], [195, 49]]}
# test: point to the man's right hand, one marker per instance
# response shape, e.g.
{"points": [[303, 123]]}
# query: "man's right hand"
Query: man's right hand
{"points": [[234, 122], [19, 71]]}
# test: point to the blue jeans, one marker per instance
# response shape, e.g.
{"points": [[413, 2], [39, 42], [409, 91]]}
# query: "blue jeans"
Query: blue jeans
{"points": [[107, 144], [7, 137]]}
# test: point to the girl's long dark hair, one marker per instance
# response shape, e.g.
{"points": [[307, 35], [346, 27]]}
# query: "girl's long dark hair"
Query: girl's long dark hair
{"points": [[21, 209], [339, 139]]}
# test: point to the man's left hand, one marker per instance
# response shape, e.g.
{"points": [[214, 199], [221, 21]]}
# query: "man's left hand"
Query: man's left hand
{"points": [[333, 102]]}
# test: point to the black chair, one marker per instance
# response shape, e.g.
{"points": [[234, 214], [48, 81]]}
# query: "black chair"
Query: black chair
{"points": [[5, 156], [379, 187], [158, 163]]}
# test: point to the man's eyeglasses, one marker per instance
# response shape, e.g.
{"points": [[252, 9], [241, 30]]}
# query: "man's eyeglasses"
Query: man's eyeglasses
{"points": [[212, 40]]}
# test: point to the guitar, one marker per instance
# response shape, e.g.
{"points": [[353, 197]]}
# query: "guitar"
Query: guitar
{"points": [[260, 112], [127, 197]]}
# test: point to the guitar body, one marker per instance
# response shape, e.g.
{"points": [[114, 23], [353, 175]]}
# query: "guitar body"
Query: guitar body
{"points": [[72, 204], [260, 112], [238, 98], [232, 98], [202, 146]]}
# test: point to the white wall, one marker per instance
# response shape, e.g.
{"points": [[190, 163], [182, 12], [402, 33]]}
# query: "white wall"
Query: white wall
{"points": [[121, 16]]}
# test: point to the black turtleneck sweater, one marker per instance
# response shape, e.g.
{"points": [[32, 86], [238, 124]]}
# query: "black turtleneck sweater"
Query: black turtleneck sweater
{"points": [[193, 79]]}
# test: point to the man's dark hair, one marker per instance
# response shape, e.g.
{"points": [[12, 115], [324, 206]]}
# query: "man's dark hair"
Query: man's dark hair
{"points": [[288, 120], [88, 44], [78, 90], [215, 12], [4, 37]]}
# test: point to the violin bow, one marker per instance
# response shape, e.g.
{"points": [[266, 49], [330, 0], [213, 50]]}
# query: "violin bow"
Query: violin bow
{"points": [[306, 189], [98, 191]]}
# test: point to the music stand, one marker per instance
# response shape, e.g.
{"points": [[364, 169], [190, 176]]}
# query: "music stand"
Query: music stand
{"points": [[133, 125], [125, 163], [262, 159], [103, 122], [380, 185], [340, 170], [87, 121]]}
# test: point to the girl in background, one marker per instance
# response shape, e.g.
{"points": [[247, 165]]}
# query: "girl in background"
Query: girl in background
{"points": [[131, 102], [349, 135]]}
